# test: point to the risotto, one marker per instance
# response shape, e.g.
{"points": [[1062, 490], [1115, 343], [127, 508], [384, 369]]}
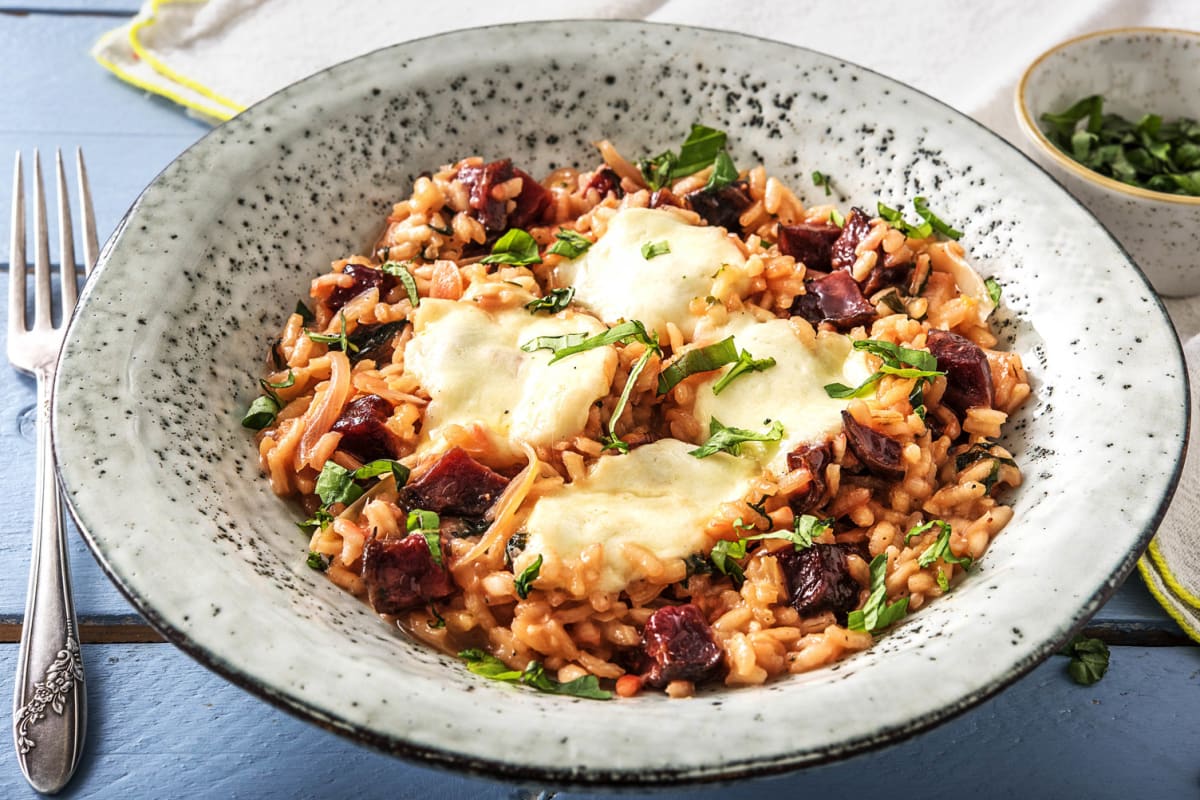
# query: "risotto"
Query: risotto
{"points": [[653, 424]]}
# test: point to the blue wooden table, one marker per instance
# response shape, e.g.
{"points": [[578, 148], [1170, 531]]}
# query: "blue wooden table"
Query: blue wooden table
{"points": [[162, 726]]}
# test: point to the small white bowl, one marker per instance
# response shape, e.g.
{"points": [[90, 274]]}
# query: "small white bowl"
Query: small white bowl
{"points": [[1137, 71]]}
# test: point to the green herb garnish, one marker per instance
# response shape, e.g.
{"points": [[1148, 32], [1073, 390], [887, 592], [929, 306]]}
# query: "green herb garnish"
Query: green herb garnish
{"points": [[262, 412], [836, 218], [569, 244], [745, 363], [724, 557], [569, 344], [524, 582], [899, 361], [703, 359], [703, 147], [306, 316], [336, 484], [993, 290], [382, 466], [427, 523], [317, 561], [1089, 659], [653, 249], [730, 440], [724, 173], [1150, 153], [515, 247], [896, 219], [922, 207], [805, 528], [554, 301], [401, 271], [534, 676], [940, 549], [321, 518], [822, 180], [877, 614], [341, 341]]}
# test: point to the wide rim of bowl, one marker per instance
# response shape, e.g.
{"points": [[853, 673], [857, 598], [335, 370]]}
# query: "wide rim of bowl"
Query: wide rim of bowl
{"points": [[1034, 133], [666, 776]]}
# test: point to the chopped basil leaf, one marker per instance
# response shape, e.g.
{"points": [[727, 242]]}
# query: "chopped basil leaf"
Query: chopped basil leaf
{"points": [[438, 620], [939, 225], [402, 272], [730, 440], [534, 676], [942, 581], [569, 244], [745, 363], [657, 170], [918, 530], [653, 249], [336, 484], [587, 686], [612, 441], [524, 582], [306, 316], [805, 528], [320, 519], [899, 361], [724, 557], [724, 173], [896, 219], [978, 452], [571, 343], [821, 179], [286, 383], [1089, 659], [261, 413], [340, 339], [515, 247], [836, 218], [893, 302], [877, 613], [317, 561], [553, 302], [699, 150], [427, 524], [703, 359], [383, 466], [698, 565], [446, 231], [940, 549], [993, 290]]}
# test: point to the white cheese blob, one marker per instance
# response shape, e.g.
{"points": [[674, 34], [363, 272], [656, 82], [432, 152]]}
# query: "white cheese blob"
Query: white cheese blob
{"points": [[657, 496], [616, 282], [471, 364], [792, 391]]}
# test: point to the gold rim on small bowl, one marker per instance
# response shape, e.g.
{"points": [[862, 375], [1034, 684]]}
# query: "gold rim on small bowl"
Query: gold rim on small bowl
{"points": [[1027, 122]]}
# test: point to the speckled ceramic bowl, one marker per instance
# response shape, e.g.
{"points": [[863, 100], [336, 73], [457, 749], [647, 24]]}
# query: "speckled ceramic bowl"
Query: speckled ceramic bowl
{"points": [[163, 357], [1137, 71]]}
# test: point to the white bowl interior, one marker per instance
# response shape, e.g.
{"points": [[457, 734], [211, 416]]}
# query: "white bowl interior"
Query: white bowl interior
{"points": [[215, 254]]}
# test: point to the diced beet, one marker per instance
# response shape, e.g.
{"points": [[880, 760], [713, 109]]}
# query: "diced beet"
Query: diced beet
{"points": [[531, 202], [881, 276], [364, 434], [879, 453], [834, 298], [968, 375], [605, 182], [364, 278], [819, 579], [400, 574], [457, 485], [679, 646], [857, 226], [722, 207], [814, 458], [809, 243], [479, 182]]}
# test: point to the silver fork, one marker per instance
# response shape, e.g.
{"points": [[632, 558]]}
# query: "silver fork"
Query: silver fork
{"points": [[50, 701]]}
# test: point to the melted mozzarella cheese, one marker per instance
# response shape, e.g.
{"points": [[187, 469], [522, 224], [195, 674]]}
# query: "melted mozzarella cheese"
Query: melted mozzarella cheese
{"points": [[471, 364], [616, 282], [657, 497], [792, 391]]}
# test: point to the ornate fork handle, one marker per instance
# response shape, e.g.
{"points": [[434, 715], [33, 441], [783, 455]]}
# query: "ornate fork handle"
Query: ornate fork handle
{"points": [[50, 702]]}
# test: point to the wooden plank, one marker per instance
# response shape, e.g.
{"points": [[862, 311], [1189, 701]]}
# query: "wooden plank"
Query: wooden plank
{"points": [[161, 726]]}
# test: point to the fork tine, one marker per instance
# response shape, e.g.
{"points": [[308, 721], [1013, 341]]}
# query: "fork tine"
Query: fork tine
{"points": [[41, 253], [16, 259], [91, 248], [66, 241]]}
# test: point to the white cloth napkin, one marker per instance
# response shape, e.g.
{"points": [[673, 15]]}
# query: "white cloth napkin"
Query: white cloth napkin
{"points": [[218, 56]]}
